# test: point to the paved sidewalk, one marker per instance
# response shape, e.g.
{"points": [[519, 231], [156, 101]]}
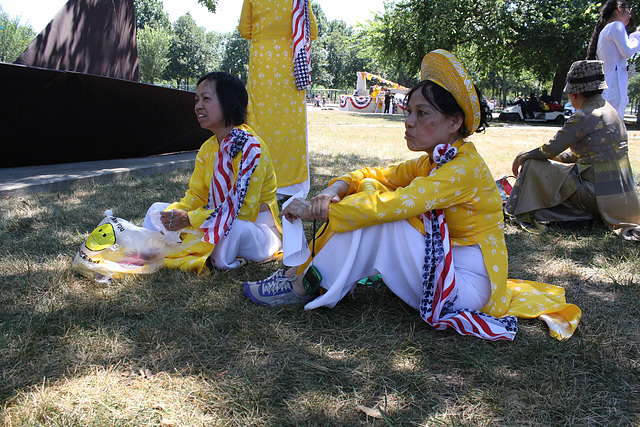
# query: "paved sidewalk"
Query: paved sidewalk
{"points": [[32, 179]]}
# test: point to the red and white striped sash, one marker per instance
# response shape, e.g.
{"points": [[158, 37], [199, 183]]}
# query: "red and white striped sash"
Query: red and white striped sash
{"points": [[226, 195], [439, 282]]}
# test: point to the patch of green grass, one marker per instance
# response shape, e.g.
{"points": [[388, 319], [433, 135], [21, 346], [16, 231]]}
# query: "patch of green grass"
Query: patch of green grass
{"points": [[174, 348]]}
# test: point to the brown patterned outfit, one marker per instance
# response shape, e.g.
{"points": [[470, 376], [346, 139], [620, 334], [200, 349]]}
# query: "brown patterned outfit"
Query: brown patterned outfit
{"points": [[592, 179]]}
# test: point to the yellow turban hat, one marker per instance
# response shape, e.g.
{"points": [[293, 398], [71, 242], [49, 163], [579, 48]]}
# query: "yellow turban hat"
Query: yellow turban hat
{"points": [[444, 69]]}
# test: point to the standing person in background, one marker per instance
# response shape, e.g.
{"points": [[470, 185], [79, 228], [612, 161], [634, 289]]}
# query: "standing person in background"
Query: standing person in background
{"points": [[276, 87], [387, 99], [611, 44]]}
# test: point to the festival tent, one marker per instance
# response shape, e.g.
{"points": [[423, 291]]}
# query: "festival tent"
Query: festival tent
{"points": [[74, 94]]}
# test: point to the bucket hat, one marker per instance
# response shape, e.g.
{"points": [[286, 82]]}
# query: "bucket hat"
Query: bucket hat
{"points": [[585, 76]]}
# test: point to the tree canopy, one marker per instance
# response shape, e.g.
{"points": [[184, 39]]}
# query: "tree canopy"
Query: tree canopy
{"points": [[151, 13], [14, 37], [541, 37], [153, 50], [510, 47], [187, 53]]}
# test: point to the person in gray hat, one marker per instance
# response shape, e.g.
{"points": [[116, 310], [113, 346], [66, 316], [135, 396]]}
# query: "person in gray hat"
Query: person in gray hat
{"points": [[583, 172]]}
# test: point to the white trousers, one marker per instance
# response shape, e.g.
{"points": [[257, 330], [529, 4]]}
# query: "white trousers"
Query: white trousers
{"points": [[396, 250], [254, 241], [616, 93]]}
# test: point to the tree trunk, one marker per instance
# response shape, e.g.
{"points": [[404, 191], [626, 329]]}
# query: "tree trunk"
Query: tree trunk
{"points": [[504, 89], [559, 80]]}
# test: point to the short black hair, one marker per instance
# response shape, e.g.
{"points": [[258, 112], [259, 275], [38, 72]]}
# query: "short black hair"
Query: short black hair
{"points": [[443, 101], [232, 95]]}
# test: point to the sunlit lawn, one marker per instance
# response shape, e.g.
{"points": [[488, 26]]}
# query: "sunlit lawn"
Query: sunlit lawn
{"points": [[178, 349]]}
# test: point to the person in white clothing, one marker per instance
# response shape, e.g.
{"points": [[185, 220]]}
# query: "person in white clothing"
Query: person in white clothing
{"points": [[611, 44]]}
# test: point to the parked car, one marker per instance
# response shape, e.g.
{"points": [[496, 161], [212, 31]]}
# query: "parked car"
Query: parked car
{"points": [[568, 109]]}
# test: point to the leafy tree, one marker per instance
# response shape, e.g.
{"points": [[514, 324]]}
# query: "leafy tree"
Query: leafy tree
{"points": [[187, 52], [14, 38], [343, 55], [507, 37], [215, 46], [321, 18], [209, 4], [634, 93], [153, 49], [336, 54], [319, 63], [550, 36], [236, 56], [151, 12]]}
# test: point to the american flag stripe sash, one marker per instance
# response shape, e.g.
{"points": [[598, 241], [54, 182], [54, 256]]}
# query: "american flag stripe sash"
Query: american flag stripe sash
{"points": [[301, 44], [225, 196], [223, 171], [439, 284], [229, 213]]}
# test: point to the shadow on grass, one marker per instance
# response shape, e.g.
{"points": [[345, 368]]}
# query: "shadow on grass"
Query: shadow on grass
{"points": [[310, 367]]}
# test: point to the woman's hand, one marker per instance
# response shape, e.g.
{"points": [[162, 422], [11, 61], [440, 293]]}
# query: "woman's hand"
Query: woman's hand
{"points": [[297, 208], [517, 163], [318, 207], [175, 219]]}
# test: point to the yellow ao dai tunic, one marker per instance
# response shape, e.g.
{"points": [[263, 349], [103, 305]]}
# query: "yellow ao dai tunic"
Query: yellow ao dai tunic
{"points": [[262, 189], [277, 109], [466, 191]]}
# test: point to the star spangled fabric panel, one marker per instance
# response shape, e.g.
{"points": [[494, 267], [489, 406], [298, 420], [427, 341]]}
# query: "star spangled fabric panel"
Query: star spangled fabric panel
{"points": [[301, 44]]}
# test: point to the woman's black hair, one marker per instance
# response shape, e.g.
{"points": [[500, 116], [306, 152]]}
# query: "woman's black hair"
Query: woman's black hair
{"points": [[232, 96], [606, 11], [443, 101]]}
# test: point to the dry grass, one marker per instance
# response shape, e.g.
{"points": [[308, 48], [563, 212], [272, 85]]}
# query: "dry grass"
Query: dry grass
{"points": [[177, 349]]}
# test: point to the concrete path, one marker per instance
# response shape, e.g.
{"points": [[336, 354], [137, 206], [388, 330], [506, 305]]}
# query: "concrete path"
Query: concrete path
{"points": [[32, 179]]}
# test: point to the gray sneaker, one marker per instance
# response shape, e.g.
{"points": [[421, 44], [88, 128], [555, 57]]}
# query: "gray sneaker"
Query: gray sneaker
{"points": [[274, 290]]}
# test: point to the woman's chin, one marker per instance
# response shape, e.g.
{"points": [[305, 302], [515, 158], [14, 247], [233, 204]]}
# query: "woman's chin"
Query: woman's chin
{"points": [[412, 147]]}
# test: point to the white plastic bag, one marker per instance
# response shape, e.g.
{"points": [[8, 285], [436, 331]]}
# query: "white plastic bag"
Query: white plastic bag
{"points": [[117, 247]]}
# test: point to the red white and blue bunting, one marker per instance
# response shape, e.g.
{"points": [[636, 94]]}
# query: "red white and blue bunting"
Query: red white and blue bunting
{"points": [[359, 102]]}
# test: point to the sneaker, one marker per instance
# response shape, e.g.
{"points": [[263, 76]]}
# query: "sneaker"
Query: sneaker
{"points": [[278, 274], [274, 290]]}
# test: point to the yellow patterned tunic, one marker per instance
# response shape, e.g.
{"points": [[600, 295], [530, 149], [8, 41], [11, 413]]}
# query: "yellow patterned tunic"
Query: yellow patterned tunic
{"points": [[262, 189], [462, 187], [466, 191], [277, 109]]}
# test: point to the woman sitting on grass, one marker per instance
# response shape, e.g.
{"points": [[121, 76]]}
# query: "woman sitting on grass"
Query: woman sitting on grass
{"points": [[432, 227], [231, 201], [583, 172]]}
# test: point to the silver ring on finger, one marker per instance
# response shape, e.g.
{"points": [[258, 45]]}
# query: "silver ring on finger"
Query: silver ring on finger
{"points": [[170, 223]]}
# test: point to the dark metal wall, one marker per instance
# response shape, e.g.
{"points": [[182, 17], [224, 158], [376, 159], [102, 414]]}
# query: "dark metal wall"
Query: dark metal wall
{"points": [[50, 116], [88, 36]]}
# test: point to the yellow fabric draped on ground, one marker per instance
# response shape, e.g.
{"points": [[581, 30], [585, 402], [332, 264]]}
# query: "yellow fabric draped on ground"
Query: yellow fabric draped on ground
{"points": [[533, 299]]}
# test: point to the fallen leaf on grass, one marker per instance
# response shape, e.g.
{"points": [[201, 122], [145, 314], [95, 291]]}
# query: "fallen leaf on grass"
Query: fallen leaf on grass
{"points": [[373, 413], [158, 407]]}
